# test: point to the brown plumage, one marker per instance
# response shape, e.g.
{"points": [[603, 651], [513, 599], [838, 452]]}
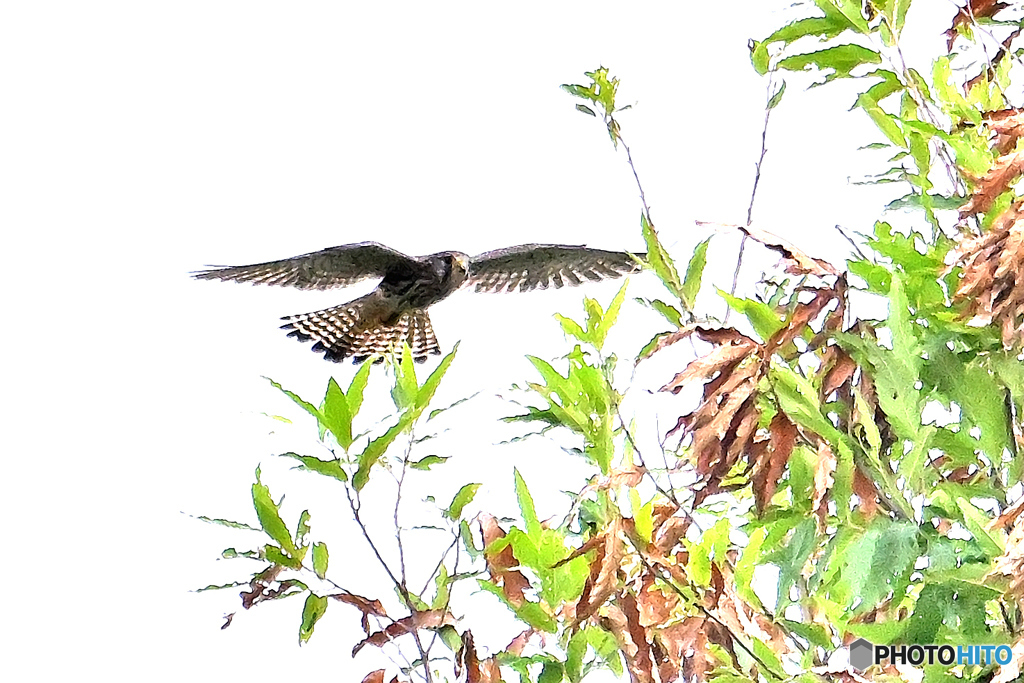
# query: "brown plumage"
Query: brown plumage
{"points": [[396, 311]]}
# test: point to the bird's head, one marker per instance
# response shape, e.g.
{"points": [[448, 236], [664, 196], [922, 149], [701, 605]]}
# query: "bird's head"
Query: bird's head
{"points": [[455, 268], [459, 261]]}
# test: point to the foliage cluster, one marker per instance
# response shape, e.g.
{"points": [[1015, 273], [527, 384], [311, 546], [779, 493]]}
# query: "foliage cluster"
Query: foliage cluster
{"points": [[872, 466]]}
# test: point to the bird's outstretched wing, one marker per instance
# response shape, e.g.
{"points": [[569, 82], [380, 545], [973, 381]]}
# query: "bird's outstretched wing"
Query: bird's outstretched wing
{"points": [[532, 266], [325, 269]]}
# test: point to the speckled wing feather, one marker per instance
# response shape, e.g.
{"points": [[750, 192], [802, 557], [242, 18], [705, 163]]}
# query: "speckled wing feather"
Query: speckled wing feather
{"points": [[533, 266], [325, 269], [355, 330]]}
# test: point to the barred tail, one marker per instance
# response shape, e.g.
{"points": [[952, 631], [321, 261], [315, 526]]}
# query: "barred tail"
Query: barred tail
{"points": [[357, 330]]}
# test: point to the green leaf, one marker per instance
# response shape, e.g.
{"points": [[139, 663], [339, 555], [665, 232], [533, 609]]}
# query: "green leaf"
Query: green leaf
{"points": [[314, 608], [228, 523], [572, 328], [531, 613], [602, 323], [877, 563], [552, 672], [659, 260], [270, 518], [376, 448], [442, 588], [328, 468], [320, 559], [585, 109], [791, 558], [799, 400], [759, 56], [211, 587], [841, 59], [643, 515], [302, 529], [695, 271], [305, 405], [276, 555], [406, 388], [426, 392], [606, 647], [526, 506], [825, 27], [336, 414], [886, 123], [574, 652], [851, 10], [777, 97], [950, 612], [762, 318], [429, 461], [461, 500], [977, 522], [670, 313]]}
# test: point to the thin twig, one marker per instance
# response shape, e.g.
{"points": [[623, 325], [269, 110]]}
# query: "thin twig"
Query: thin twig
{"points": [[400, 479], [853, 244], [753, 195], [356, 506], [636, 176]]}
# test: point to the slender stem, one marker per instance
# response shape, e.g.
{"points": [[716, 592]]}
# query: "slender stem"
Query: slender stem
{"points": [[753, 194], [636, 176], [355, 505]]}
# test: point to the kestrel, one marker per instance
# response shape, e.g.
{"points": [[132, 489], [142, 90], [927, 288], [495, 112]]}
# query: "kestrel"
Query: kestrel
{"points": [[396, 311]]}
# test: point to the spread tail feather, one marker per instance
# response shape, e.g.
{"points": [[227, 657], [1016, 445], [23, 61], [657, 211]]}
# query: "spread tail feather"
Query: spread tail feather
{"points": [[359, 330]]}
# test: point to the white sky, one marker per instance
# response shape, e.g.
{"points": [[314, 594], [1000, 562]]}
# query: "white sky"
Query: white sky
{"points": [[142, 141]]}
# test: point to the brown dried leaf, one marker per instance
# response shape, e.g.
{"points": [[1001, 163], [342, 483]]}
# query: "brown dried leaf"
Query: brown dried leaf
{"points": [[656, 606], [686, 645], [721, 359], [840, 372], [973, 10], [414, 622], [772, 459], [374, 677], [365, 605], [997, 180], [737, 441], [668, 340], [603, 572], [824, 469], [865, 489], [670, 532], [641, 665], [741, 618], [518, 643], [708, 441], [802, 315], [990, 289], [477, 670], [582, 550], [627, 476], [499, 564], [797, 262], [1011, 672], [1008, 517], [489, 672], [1011, 563], [1008, 126]]}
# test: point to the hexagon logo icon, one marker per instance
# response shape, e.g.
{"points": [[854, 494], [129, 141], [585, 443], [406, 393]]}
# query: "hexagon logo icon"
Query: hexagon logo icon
{"points": [[862, 654]]}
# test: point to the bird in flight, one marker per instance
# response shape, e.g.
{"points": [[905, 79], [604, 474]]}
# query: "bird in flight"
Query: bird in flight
{"points": [[396, 311]]}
